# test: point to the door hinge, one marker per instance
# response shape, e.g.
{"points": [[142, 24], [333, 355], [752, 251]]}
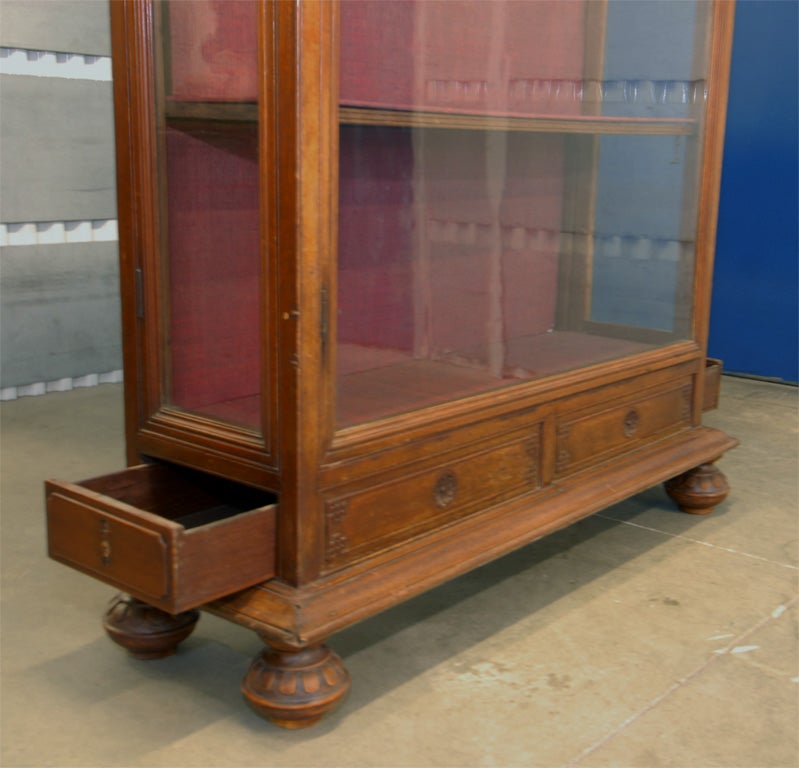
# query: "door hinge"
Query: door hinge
{"points": [[323, 328], [139, 288]]}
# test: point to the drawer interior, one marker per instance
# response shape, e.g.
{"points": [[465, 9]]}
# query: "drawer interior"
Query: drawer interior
{"points": [[187, 497]]}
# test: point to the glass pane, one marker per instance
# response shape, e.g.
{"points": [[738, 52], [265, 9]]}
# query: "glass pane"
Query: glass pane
{"points": [[210, 208], [516, 192], [643, 257]]}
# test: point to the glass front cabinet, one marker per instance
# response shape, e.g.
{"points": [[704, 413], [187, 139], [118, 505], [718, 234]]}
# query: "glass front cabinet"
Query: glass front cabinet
{"points": [[406, 285]]}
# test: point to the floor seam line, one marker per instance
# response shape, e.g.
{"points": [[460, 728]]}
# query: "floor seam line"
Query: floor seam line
{"points": [[714, 656], [702, 543]]}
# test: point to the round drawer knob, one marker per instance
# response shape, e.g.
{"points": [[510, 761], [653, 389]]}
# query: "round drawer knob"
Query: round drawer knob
{"points": [[445, 489], [631, 422]]}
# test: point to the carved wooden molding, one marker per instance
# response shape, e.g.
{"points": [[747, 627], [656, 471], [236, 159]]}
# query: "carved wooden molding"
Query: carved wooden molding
{"points": [[294, 688], [687, 393], [532, 448], [563, 458], [337, 542]]}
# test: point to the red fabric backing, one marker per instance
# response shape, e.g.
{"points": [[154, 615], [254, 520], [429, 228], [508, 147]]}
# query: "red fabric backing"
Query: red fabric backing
{"points": [[213, 50], [214, 268], [425, 236], [375, 298], [398, 188], [493, 240], [463, 55]]}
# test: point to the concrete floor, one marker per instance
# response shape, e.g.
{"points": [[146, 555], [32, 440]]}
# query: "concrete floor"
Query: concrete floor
{"points": [[638, 637]]}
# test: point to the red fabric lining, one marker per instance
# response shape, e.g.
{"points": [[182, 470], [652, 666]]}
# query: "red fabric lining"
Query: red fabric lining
{"points": [[214, 264], [375, 299], [458, 55], [488, 242], [213, 50], [463, 55]]}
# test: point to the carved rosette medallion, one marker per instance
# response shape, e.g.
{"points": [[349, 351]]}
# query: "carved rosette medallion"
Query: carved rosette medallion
{"points": [[631, 422], [445, 489]]}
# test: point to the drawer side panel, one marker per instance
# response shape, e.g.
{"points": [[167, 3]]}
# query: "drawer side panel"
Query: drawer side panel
{"points": [[225, 557]]}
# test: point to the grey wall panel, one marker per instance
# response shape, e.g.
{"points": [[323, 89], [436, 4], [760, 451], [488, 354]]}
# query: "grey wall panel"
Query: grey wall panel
{"points": [[57, 152], [70, 26], [59, 312]]}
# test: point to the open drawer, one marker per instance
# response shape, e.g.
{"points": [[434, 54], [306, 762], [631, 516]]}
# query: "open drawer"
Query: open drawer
{"points": [[172, 537]]}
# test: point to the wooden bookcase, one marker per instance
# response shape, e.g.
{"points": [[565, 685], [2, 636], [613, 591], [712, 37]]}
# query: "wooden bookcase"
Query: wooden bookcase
{"points": [[406, 285]]}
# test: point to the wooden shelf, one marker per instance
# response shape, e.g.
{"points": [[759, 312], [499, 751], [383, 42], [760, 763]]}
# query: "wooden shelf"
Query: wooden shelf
{"points": [[375, 383], [231, 111], [577, 124]]}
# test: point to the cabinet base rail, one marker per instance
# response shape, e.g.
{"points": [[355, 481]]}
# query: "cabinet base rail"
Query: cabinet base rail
{"points": [[297, 679]]}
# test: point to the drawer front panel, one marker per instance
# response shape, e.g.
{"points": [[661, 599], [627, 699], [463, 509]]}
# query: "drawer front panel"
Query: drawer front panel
{"points": [[360, 523], [117, 551], [586, 438]]}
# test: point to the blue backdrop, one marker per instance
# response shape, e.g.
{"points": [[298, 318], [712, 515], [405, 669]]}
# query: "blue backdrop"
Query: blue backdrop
{"points": [[754, 318]]}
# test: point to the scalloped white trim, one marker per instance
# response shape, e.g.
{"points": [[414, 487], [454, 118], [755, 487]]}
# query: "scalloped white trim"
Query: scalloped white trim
{"points": [[60, 385], [59, 232], [71, 66]]}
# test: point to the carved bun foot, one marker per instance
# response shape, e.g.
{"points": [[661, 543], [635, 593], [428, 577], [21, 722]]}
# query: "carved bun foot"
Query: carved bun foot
{"points": [[699, 490], [295, 688], [146, 632]]}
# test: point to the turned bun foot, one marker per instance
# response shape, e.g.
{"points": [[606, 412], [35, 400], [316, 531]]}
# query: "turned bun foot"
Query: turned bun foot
{"points": [[146, 632], [699, 490], [295, 688]]}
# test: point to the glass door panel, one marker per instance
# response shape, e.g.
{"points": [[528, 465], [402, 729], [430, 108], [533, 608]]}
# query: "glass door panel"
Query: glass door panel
{"points": [[210, 234], [516, 191]]}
